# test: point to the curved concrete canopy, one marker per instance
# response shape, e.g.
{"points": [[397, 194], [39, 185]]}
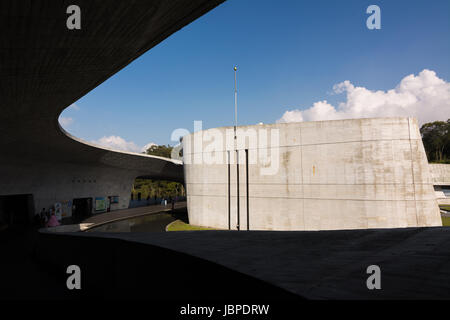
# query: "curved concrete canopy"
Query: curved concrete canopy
{"points": [[45, 67]]}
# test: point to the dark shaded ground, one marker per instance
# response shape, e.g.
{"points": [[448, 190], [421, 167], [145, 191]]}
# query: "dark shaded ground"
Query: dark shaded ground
{"points": [[118, 269], [228, 266], [33, 266], [414, 262], [21, 277]]}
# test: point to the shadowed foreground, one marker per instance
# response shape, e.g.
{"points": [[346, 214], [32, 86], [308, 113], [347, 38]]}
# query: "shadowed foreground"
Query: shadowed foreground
{"points": [[415, 262], [230, 266]]}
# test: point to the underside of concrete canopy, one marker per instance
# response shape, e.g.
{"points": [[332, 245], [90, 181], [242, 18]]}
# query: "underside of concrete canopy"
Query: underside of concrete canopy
{"points": [[45, 67]]}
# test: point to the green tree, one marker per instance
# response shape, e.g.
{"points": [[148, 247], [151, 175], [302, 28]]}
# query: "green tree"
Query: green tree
{"points": [[157, 188], [161, 151], [436, 140]]}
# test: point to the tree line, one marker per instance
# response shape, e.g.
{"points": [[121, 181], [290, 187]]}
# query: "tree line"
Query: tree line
{"points": [[148, 188], [436, 140]]}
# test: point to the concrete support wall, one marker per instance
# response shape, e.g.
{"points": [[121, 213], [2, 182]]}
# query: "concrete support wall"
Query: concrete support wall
{"points": [[344, 174], [64, 182]]}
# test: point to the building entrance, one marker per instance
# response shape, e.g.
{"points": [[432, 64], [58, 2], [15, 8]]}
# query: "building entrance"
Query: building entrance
{"points": [[16, 209], [81, 209]]}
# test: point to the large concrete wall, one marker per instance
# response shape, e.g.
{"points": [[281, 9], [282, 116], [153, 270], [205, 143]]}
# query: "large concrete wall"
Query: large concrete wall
{"points": [[345, 174]]}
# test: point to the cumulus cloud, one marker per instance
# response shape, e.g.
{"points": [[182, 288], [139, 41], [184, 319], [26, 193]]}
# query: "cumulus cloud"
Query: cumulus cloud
{"points": [[65, 121], [119, 143], [425, 97]]}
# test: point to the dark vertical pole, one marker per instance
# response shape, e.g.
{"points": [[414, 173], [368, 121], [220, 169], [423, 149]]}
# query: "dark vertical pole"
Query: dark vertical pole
{"points": [[237, 169], [246, 188], [229, 194]]}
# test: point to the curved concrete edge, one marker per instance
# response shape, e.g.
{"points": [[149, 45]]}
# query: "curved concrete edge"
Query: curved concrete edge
{"points": [[90, 144], [67, 228], [168, 226], [96, 225]]}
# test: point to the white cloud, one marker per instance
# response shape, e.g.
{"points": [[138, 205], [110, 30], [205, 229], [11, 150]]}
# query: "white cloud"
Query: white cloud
{"points": [[425, 97], [73, 106], [119, 143], [65, 121]]}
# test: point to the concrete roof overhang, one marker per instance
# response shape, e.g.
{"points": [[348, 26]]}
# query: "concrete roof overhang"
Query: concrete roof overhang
{"points": [[45, 67]]}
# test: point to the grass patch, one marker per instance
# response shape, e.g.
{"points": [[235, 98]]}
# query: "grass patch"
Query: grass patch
{"points": [[445, 207], [179, 225], [446, 221]]}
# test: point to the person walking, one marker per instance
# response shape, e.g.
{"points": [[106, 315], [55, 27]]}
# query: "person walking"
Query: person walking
{"points": [[173, 203]]}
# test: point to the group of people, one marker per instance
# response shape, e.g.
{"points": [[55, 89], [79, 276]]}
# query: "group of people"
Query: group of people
{"points": [[172, 201], [46, 218], [164, 200]]}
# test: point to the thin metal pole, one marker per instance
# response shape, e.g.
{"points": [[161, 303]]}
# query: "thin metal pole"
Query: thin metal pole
{"points": [[235, 101], [246, 172], [238, 206], [229, 194], [237, 152]]}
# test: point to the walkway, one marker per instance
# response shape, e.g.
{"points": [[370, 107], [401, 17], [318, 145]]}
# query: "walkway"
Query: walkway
{"points": [[117, 215]]}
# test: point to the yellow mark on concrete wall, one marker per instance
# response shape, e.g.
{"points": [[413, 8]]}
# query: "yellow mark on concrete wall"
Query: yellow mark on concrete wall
{"points": [[314, 170]]}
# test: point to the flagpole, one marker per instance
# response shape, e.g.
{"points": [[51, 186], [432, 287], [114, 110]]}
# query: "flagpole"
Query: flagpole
{"points": [[235, 101], [237, 151]]}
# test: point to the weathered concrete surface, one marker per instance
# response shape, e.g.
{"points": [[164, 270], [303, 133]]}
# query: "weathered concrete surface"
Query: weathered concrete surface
{"points": [[45, 67], [441, 179], [441, 197], [414, 262], [328, 175], [440, 174]]}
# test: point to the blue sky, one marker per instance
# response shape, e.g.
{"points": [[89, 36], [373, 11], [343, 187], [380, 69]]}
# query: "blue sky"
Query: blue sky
{"points": [[289, 55]]}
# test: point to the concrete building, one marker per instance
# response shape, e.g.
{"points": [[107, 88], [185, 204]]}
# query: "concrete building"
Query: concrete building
{"points": [[441, 181], [321, 175], [344, 174], [45, 67]]}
